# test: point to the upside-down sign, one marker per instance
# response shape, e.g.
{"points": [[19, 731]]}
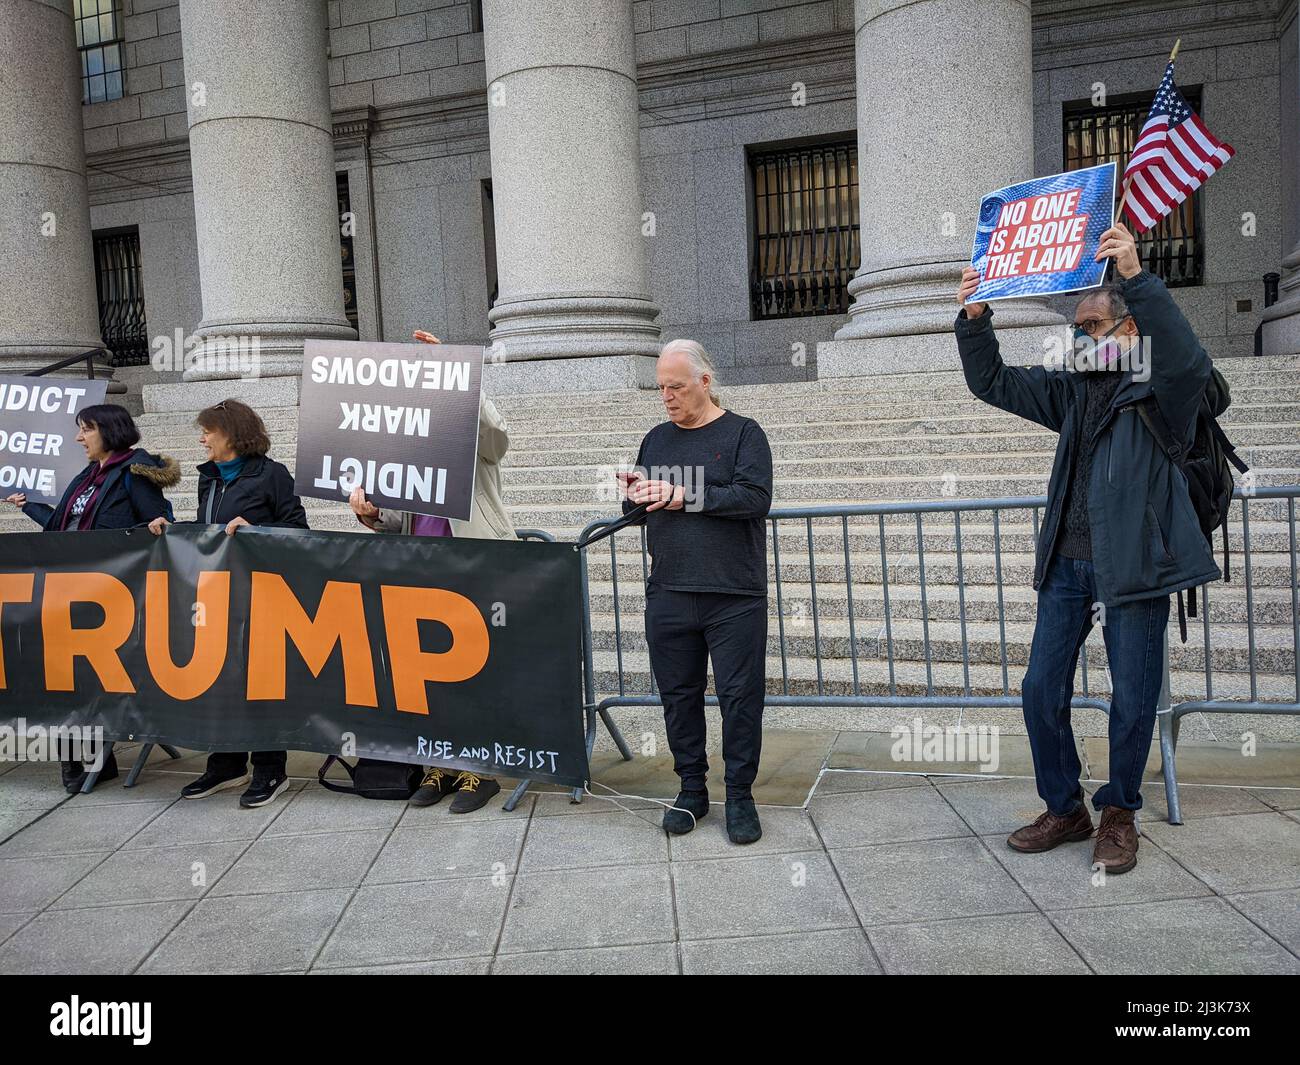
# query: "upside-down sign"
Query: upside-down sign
{"points": [[1041, 236], [461, 653]]}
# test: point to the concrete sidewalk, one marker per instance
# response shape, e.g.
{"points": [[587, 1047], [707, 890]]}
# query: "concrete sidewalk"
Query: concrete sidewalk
{"points": [[858, 871]]}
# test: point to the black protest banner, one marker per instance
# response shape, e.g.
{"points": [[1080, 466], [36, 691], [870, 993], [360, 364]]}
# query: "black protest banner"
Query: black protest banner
{"points": [[463, 653], [401, 420], [39, 453]]}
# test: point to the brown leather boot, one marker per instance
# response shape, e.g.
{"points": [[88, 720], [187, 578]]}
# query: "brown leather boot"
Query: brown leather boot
{"points": [[1051, 830], [1116, 849]]}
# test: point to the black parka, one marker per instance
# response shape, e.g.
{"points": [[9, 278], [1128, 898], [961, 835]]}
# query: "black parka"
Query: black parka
{"points": [[132, 494], [1146, 538], [262, 494]]}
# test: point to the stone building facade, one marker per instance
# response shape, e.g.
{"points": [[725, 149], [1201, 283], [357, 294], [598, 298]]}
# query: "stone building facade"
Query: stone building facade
{"points": [[575, 181]]}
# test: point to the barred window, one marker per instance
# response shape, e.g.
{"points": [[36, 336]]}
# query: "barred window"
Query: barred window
{"points": [[100, 40], [1173, 248], [805, 229], [121, 295], [347, 227]]}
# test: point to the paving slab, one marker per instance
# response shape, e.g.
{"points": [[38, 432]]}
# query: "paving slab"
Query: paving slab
{"points": [[836, 952], [650, 959], [96, 940], [443, 967], [1182, 936], [742, 896], [156, 874], [418, 922], [1277, 912], [151, 787], [840, 781], [1234, 854], [216, 819], [474, 849], [301, 863], [612, 906], [896, 815], [923, 880], [1025, 944], [1063, 878], [249, 933], [11, 922], [557, 843], [313, 809], [990, 806], [33, 883], [87, 828], [784, 832]]}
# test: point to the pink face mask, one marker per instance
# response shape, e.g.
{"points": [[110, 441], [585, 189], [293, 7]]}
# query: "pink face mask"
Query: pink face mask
{"points": [[1098, 354]]}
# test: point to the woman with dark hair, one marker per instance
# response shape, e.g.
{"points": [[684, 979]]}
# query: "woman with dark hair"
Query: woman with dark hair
{"points": [[240, 485], [121, 488]]}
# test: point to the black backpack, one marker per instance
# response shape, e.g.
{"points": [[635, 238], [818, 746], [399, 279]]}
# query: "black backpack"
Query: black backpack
{"points": [[373, 779], [1205, 465]]}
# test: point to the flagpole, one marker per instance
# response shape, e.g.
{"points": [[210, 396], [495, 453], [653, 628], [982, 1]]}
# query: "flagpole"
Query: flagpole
{"points": [[1119, 211]]}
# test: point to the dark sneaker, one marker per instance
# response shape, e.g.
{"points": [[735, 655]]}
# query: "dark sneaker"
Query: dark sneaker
{"points": [[210, 783], [1051, 830], [436, 784], [263, 789], [691, 807], [742, 821], [1116, 849], [472, 792]]}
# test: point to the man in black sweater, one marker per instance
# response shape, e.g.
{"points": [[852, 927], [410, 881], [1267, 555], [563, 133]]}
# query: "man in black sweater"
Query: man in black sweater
{"points": [[707, 475], [1119, 534]]}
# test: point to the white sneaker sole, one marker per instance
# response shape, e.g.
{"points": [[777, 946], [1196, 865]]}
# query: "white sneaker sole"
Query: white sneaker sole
{"points": [[225, 785]]}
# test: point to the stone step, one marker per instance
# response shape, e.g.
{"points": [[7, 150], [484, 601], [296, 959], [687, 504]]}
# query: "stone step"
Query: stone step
{"points": [[1019, 602], [1274, 649], [1278, 372], [950, 679], [977, 568], [1244, 437]]}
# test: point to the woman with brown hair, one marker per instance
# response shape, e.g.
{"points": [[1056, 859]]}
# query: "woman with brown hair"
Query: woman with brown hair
{"points": [[240, 485]]}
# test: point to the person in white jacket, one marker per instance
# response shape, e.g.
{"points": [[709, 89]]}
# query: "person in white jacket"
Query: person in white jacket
{"points": [[488, 520]]}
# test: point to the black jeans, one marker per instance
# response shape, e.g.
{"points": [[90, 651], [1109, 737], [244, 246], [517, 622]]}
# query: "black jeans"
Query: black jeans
{"points": [[233, 763], [684, 630]]}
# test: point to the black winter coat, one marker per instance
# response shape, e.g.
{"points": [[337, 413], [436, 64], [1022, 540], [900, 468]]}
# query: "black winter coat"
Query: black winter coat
{"points": [[1146, 538], [262, 494], [131, 495]]}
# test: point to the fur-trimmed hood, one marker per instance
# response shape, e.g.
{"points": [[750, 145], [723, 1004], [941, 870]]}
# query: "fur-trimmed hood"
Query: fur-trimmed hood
{"points": [[162, 470]]}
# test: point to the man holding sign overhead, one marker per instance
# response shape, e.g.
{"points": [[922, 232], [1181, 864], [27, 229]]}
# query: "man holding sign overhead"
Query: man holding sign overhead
{"points": [[1119, 534]]}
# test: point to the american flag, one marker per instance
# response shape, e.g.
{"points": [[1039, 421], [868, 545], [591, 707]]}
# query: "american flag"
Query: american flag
{"points": [[1173, 156]]}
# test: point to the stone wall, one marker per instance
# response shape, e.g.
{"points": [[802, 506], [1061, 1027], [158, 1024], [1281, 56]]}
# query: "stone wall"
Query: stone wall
{"points": [[716, 76]]}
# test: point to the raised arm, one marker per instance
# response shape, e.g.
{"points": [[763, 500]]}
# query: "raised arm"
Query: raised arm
{"points": [[1031, 392]]}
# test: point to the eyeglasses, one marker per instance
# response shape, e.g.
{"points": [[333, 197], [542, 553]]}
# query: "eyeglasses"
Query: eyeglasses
{"points": [[1092, 325]]}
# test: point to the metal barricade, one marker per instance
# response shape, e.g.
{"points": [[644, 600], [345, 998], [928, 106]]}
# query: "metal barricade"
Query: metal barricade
{"points": [[827, 570]]}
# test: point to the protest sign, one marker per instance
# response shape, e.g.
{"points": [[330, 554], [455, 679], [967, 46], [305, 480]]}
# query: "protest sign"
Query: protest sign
{"points": [[1041, 236], [460, 653], [400, 420], [39, 453]]}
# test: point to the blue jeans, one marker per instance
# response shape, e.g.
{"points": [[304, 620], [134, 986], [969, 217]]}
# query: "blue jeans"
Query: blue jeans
{"points": [[1134, 636]]}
